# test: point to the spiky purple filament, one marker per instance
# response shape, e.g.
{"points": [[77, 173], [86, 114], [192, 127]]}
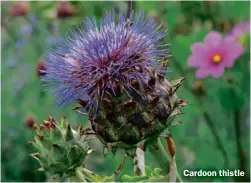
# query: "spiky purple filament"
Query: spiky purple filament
{"points": [[94, 62]]}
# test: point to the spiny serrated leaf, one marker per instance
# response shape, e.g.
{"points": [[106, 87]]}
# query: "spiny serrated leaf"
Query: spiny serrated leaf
{"points": [[41, 169], [57, 133], [63, 121], [148, 171], [92, 177], [131, 151], [59, 153], [127, 178], [74, 155], [160, 178], [57, 168], [175, 122], [109, 178], [69, 135], [35, 145], [176, 111], [157, 172]]}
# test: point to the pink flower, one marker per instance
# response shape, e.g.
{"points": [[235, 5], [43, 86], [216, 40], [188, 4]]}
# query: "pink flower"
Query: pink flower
{"points": [[240, 31], [212, 56]]}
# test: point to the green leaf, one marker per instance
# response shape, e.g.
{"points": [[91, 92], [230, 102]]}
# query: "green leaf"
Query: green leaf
{"points": [[74, 155], [231, 98], [148, 170], [173, 15], [109, 178], [157, 172], [127, 178], [131, 151], [69, 134], [59, 153], [157, 179], [237, 10], [57, 168], [86, 174]]}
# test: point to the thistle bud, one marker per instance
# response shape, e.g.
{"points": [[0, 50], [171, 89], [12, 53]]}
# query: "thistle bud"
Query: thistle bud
{"points": [[19, 9], [65, 9], [230, 80], [61, 149], [30, 122], [40, 70], [198, 88]]}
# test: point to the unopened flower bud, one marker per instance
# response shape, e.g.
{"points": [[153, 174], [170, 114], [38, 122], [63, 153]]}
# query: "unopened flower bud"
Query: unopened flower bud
{"points": [[198, 88], [40, 70], [19, 9], [230, 80], [60, 149], [65, 9], [30, 122]]}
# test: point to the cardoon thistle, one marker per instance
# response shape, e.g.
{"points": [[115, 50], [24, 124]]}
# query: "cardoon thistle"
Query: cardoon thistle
{"points": [[116, 72], [100, 60]]}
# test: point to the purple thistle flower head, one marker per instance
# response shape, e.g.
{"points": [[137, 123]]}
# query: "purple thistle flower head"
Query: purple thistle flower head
{"points": [[101, 57]]}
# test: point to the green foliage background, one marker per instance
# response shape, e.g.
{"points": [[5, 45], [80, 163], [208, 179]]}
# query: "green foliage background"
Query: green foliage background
{"points": [[25, 39]]}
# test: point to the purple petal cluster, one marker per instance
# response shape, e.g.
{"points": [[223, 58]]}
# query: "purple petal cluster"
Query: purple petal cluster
{"points": [[240, 31], [98, 57]]}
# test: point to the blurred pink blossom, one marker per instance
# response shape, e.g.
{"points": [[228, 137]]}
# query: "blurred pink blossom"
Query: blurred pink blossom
{"points": [[240, 31], [212, 56]]}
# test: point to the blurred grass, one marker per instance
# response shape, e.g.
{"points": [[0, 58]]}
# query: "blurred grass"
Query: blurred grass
{"points": [[26, 38]]}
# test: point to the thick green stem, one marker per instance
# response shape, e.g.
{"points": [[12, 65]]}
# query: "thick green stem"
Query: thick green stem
{"points": [[78, 176], [76, 179], [161, 156], [240, 156]]}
